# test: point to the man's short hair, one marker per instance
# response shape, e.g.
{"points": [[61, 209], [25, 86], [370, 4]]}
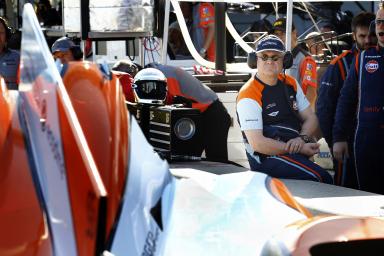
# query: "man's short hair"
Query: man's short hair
{"points": [[280, 25], [270, 43], [363, 19]]}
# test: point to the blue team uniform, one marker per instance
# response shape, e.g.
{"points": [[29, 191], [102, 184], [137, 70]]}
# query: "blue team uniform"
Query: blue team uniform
{"points": [[363, 93], [329, 92]]}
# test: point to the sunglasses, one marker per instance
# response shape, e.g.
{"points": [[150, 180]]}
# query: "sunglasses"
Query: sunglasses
{"points": [[272, 58], [379, 21]]}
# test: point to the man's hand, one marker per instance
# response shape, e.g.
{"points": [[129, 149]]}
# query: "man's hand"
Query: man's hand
{"points": [[340, 149], [294, 145], [309, 149]]}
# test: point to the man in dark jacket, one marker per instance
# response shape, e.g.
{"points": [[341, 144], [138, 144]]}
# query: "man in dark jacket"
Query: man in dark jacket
{"points": [[330, 86], [363, 93]]}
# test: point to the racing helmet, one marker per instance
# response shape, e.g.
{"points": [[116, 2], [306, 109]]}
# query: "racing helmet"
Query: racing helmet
{"points": [[150, 86]]}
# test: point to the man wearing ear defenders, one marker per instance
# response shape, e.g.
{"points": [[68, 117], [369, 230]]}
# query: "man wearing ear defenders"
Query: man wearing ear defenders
{"points": [[276, 119], [363, 94], [66, 50]]}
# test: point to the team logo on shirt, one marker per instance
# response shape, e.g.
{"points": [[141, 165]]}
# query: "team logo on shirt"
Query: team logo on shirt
{"points": [[372, 66], [309, 66], [205, 13]]}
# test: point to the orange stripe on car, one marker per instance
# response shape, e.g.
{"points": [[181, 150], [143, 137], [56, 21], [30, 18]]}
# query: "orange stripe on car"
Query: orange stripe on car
{"points": [[280, 191]]}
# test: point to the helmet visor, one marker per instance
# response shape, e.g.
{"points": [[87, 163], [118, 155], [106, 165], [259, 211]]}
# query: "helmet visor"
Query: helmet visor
{"points": [[150, 90]]}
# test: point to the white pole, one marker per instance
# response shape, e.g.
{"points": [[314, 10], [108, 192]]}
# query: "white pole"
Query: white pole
{"points": [[165, 32], [288, 29], [276, 10]]}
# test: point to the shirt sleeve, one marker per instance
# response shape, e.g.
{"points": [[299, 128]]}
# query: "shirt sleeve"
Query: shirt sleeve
{"points": [[249, 114], [302, 102], [308, 73], [347, 104], [207, 14]]}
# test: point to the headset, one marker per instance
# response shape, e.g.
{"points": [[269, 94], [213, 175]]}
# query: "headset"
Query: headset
{"points": [[287, 60], [8, 29]]}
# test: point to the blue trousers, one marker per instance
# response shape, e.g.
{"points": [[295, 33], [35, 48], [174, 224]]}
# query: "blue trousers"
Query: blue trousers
{"points": [[369, 155], [290, 166], [345, 172]]}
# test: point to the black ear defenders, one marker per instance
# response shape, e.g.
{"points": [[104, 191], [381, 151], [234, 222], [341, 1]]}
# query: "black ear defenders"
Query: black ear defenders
{"points": [[287, 60], [8, 30], [252, 60]]}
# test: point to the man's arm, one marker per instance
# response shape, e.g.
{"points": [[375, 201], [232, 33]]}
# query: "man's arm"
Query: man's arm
{"points": [[209, 37], [271, 147], [310, 123], [308, 79], [264, 145], [312, 96], [207, 20]]}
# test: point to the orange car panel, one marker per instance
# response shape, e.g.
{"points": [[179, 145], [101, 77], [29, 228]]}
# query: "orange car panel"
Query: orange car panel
{"points": [[22, 221], [99, 104]]}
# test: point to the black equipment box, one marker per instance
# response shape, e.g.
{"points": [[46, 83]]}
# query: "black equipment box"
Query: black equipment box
{"points": [[176, 132], [141, 113]]}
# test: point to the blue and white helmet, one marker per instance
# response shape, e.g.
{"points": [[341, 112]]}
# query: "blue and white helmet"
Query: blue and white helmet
{"points": [[150, 86]]}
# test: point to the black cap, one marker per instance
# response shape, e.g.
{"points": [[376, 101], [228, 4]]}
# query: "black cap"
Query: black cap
{"points": [[281, 24]]}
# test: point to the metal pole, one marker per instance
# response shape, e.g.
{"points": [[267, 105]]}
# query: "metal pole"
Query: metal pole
{"points": [[84, 16], [288, 30], [165, 34], [220, 36]]}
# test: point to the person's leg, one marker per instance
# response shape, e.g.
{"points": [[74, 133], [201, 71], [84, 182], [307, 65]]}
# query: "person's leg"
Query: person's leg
{"points": [[294, 166], [369, 160], [338, 168], [216, 122], [349, 178], [345, 172]]}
